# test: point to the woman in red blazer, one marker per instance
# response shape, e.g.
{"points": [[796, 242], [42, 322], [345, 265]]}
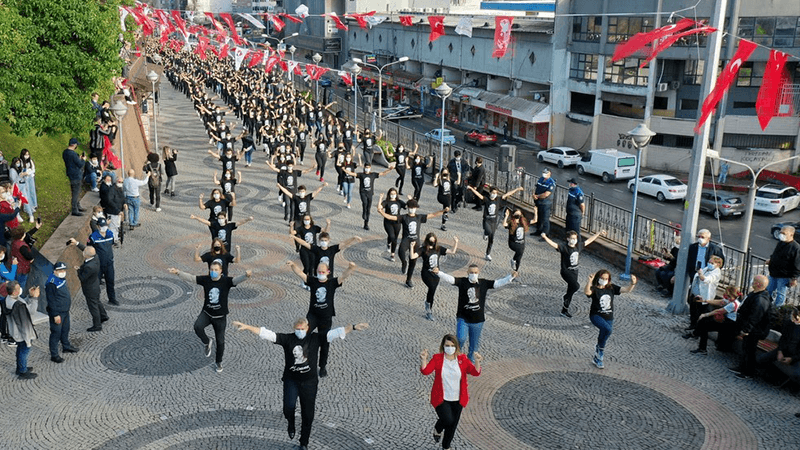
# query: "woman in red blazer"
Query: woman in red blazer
{"points": [[449, 393]]}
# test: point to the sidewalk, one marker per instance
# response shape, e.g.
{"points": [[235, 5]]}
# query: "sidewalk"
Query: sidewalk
{"points": [[143, 381]]}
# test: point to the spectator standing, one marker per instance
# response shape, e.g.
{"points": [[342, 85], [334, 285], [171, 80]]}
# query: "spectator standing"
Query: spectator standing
{"points": [[74, 167], [575, 206], [784, 266], [89, 274], [458, 171], [4, 170], [723, 172], [22, 253], [153, 169], [449, 394], [97, 138], [20, 326], [131, 187], [753, 324], [170, 155], [59, 302], [543, 199], [699, 254], [112, 199], [29, 187], [103, 241]]}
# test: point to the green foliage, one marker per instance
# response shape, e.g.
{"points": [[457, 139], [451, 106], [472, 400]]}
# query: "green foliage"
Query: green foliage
{"points": [[53, 55], [387, 148]]}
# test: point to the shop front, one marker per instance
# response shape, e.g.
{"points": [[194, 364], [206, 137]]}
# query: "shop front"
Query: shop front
{"points": [[504, 114]]}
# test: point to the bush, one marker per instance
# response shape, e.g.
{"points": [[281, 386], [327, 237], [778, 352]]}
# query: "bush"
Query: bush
{"points": [[388, 149]]}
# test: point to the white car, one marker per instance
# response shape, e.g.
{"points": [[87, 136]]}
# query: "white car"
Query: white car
{"points": [[662, 187], [563, 156], [776, 199]]}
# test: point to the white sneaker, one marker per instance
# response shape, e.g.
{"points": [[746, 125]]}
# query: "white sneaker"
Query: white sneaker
{"points": [[158, 209], [488, 257], [218, 367], [96, 190], [208, 347]]}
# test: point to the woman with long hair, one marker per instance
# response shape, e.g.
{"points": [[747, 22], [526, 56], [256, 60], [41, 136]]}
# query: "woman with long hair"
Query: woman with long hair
{"points": [[431, 253], [449, 394], [602, 291], [517, 229]]}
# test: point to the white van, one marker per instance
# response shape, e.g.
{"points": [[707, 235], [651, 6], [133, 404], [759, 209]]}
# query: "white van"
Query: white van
{"points": [[608, 163]]}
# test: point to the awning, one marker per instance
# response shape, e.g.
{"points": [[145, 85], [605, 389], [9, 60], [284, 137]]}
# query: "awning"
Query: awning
{"points": [[516, 107]]}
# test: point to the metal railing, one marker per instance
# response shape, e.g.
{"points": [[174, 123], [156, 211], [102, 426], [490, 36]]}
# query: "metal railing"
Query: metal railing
{"points": [[651, 235]]}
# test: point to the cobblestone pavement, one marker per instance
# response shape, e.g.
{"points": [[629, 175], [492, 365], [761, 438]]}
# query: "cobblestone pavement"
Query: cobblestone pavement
{"points": [[143, 381]]}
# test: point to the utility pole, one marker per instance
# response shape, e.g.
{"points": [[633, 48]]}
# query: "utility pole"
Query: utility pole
{"points": [[691, 214]]}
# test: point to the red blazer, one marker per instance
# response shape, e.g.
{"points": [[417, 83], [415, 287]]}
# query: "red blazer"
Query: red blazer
{"points": [[437, 392]]}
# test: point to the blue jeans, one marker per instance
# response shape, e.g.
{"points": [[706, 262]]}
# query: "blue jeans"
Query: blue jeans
{"points": [[347, 189], [22, 356], [133, 210], [474, 330], [248, 155], [605, 327], [780, 285], [543, 224], [22, 279], [59, 333], [91, 179]]}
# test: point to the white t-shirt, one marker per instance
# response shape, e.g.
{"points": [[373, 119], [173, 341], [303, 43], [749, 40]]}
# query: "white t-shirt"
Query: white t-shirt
{"points": [[451, 380]]}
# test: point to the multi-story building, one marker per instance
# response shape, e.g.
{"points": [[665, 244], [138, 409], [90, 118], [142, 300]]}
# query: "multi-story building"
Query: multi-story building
{"points": [[596, 101]]}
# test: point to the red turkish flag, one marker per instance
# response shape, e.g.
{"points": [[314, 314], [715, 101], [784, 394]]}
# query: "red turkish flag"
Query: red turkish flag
{"points": [[164, 19], [346, 77], [339, 24], [202, 45], [223, 51], [724, 81], [669, 40], [360, 18], [314, 72], [774, 77], [275, 21], [640, 40], [222, 33], [229, 21], [407, 21], [176, 16], [255, 59], [437, 27], [291, 18], [502, 35], [271, 61]]}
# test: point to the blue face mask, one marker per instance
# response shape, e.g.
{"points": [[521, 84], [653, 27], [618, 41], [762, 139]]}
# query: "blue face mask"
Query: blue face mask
{"points": [[214, 274], [301, 334]]}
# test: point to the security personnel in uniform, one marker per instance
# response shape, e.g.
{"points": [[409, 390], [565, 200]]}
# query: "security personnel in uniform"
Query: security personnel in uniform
{"points": [[103, 241], [575, 206], [58, 303], [543, 199]]}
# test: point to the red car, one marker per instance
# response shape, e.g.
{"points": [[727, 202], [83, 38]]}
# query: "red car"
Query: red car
{"points": [[481, 137]]}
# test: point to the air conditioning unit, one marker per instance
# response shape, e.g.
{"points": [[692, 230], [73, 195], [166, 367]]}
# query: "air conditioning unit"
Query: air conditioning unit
{"points": [[517, 84], [662, 87], [674, 85]]}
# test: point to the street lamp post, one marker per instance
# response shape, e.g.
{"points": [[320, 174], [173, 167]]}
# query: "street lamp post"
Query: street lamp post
{"points": [[444, 91], [380, 79], [152, 76], [120, 109], [355, 69], [279, 45], [292, 49], [641, 136], [316, 58]]}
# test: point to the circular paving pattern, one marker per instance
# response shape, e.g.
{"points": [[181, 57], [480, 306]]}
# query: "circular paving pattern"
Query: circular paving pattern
{"points": [[539, 309], [320, 209], [254, 293], [147, 294], [230, 429], [593, 411], [372, 256], [156, 353]]}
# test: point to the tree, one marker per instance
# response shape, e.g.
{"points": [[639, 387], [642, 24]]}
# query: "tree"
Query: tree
{"points": [[53, 55]]}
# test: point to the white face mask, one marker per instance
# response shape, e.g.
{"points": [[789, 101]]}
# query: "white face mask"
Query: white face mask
{"points": [[306, 222], [301, 334], [492, 196], [301, 194], [367, 169], [119, 185], [322, 277], [393, 197], [545, 174], [103, 229], [216, 196], [449, 349], [412, 211], [783, 238], [702, 241], [108, 183], [572, 242], [323, 244], [602, 282], [221, 221], [61, 275], [472, 277]]}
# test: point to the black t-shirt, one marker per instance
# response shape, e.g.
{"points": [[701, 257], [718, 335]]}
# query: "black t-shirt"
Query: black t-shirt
{"points": [[445, 186], [411, 225], [309, 235], [322, 295], [492, 208], [368, 142], [215, 294], [351, 166], [324, 256], [418, 170], [400, 158], [569, 255], [228, 163], [430, 259], [290, 179], [603, 301], [516, 233], [302, 206], [228, 185], [224, 260], [223, 232], [393, 207], [367, 182], [300, 355], [472, 299], [216, 207]]}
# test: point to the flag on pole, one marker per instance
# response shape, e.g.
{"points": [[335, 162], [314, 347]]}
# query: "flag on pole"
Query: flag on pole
{"points": [[774, 77], [276, 22], [346, 77], [502, 35], [176, 16], [671, 39], [314, 72], [123, 13], [249, 17], [339, 24], [290, 18], [238, 56], [229, 21], [437, 27], [255, 59], [639, 40], [724, 81]]}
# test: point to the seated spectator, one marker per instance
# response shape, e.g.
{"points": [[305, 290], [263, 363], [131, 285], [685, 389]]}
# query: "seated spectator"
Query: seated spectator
{"points": [[21, 243], [665, 273], [9, 209], [721, 320], [92, 172], [788, 350]]}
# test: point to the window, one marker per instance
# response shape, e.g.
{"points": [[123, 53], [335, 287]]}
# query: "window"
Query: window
{"points": [[758, 141], [693, 72], [621, 28], [660, 103], [626, 71], [586, 29], [581, 103], [781, 32], [764, 31], [750, 74], [584, 67], [744, 105], [692, 40], [688, 103]]}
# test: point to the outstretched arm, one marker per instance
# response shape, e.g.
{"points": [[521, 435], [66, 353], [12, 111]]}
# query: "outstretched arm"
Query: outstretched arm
{"points": [[443, 276], [182, 275], [438, 213], [301, 242], [347, 272], [197, 253], [349, 242], [202, 206], [593, 238], [285, 191], [249, 219], [391, 168], [297, 271], [630, 287], [510, 193], [588, 289], [475, 191], [453, 250], [327, 225], [216, 181], [201, 220], [238, 257], [319, 189], [550, 241]]}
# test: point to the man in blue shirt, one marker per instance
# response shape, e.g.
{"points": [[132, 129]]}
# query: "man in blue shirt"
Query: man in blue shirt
{"points": [[58, 303], [74, 167], [543, 199], [575, 206], [103, 242]]}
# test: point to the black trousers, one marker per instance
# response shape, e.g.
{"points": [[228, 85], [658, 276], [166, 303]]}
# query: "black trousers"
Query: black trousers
{"points": [[340, 177], [219, 324], [321, 159], [307, 392], [75, 189], [405, 254], [307, 258], [543, 222], [695, 309], [107, 273], [301, 150], [322, 325], [96, 309], [447, 202], [432, 282], [366, 204], [726, 330], [749, 347], [573, 285], [489, 228], [392, 229], [518, 250], [401, 179], [155, 194], [417, 183], [449, 414]]}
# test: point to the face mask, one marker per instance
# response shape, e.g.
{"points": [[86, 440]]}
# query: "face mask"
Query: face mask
{"points": [[412, 211], [445, 175], [367, 170], [217, 248], [107, 183], [229, 154], [417, 160], [400, 149], [290, 168], [301, 334], [227, 176], [572, 242], [545, 175], [94, 162], [602, 282], [348, 159], [449, 349], [783, 238], [492, 196], [323, 244], [216, 196], [702, 241], [472, 277], [103, 229], [221, 221], [393, 197], [431, 242], [213, 274], [119, 185], [322, 277], [306, 222], [458, 159], [710, 267], [61, 275]]}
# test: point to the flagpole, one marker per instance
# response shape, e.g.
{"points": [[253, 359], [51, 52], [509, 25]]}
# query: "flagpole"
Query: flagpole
{"points": [[697, 170]]}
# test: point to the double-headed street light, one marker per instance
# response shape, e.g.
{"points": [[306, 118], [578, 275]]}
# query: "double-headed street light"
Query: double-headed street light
{"points": [[355, 69], [316, 58], [152, 77], [120, 109], [444, 91], [641, 136], [380, 79]]}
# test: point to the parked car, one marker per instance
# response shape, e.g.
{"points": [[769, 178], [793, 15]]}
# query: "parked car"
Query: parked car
{"points": [[775, 231], [325, 82], [481, 137], [776, 199], [435, 135], [721, 203], [662, 187], [608, 163], [562, 156]]}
